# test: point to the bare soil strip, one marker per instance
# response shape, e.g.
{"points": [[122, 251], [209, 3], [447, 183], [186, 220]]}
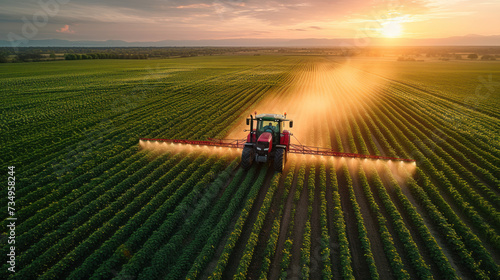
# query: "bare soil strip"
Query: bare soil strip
{"points": [[371, 224], [359, 264], [285, 221], [298, 232], [334, 241], [234, 258], [413, 231], [258, 254], [316, 260], [397, 242]]}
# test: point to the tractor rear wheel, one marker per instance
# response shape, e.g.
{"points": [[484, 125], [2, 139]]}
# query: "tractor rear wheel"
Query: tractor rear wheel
{"points": [[247, 157], [279, 160]]}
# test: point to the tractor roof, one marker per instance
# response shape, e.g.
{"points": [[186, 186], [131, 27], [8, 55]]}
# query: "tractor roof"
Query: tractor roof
{"points": [[270, 117]]}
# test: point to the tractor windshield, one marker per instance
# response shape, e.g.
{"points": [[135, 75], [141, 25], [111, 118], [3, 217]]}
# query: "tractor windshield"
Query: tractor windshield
{"points": [[268, 126]]}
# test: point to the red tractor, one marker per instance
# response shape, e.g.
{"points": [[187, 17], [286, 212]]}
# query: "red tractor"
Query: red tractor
{"points": [[268, 141]]}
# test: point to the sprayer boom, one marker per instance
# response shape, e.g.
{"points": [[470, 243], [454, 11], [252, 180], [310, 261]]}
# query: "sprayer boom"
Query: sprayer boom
{"points": [[295, 149]]}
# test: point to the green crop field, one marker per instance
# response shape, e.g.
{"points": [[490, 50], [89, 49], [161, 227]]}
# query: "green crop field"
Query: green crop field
{"points": [[93, 202]]}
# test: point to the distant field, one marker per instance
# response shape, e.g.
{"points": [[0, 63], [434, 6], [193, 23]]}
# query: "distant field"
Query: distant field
{"points": [[94, 203]]}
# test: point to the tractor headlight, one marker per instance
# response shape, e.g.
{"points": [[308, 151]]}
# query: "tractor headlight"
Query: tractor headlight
{"points": [[266, 149], [259, 148]]}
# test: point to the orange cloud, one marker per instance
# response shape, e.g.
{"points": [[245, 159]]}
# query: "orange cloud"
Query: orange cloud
{"points": [[65, 29], [194, 6]]}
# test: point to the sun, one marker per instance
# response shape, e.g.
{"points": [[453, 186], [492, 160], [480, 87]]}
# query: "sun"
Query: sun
{"points": [[391, 29]]}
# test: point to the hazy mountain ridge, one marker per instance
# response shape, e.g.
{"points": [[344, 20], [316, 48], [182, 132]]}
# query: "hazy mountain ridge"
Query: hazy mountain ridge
{"points": [[467, 40]]}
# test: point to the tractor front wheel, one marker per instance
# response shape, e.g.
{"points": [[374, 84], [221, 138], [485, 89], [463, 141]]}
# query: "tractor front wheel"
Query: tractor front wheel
{"points": [[247, 157], [279, 160]]}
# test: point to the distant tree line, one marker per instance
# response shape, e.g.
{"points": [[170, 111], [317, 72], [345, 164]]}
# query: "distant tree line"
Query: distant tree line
{"points": [[20, 57], [33, 54], [77, 56]]}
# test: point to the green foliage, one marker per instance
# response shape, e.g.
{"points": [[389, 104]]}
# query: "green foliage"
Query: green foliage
{"points": [[305, 252], [273, 238], [287, 250], [235, 234], [165, 261], [93, 206], [363, 234], [390, 250], [340, 227], [217, 233], [196, 183], [325, 237], [270, 248], [242, 269]]}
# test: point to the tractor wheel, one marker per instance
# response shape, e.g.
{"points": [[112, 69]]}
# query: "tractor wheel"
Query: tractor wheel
{"points": [[279, 160], [247, 157]]}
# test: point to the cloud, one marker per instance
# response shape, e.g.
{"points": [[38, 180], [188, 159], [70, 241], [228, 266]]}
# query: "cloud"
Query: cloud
{"points": [[151, 20], [65, 29], [193, 6]]}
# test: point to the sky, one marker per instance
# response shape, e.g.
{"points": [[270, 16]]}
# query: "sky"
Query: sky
{"points": [[156, 20]]}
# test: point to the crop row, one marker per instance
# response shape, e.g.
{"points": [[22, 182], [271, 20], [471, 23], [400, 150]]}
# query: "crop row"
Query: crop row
{"points": [[271, 243], [169, 260], [428, 167], [411, 250], [118, 216], [287, 250], [182, 200], [473, 242], [171, 102], [140, 203], [442, 161], [145, 220], [305, 250], [209, 249], [461, 155], [445, 185], [363, 234], [242, 269], [36, 223], [235, 234], [176, 183], [436, 253], [80, 225], [340, 227], [325, 253], [395, 261]]}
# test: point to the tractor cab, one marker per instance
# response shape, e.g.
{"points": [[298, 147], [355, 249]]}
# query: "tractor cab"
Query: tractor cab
{"points": [[271, 125], [269, 141]]}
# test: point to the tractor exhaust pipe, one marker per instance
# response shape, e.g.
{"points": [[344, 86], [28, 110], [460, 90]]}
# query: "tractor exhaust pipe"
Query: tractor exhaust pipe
{"points": [[251, 123]]}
